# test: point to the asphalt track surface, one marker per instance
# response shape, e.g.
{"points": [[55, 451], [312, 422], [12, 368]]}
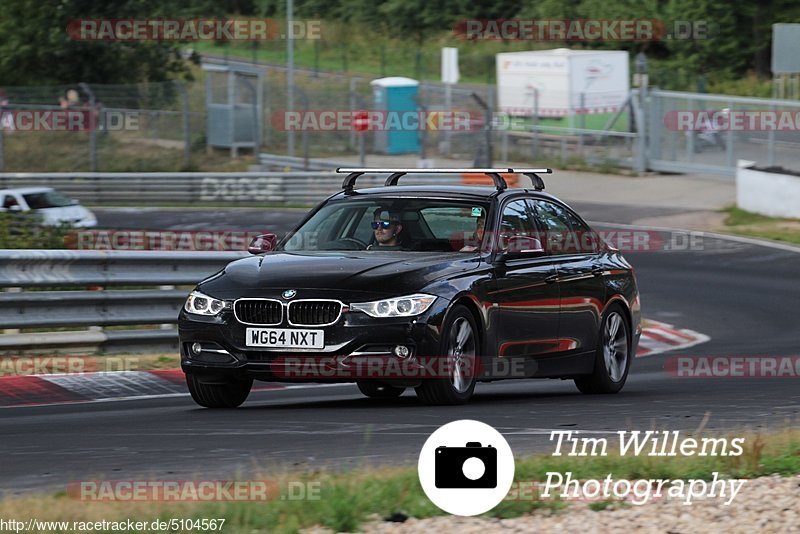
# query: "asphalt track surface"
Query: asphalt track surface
{"points": [[744, 296]]}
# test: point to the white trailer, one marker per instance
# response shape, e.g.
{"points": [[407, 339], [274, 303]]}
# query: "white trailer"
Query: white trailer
{"points": [[562, 82]]}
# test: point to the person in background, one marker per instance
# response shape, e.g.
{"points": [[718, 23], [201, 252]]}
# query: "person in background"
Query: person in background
{"points": [[6, 118]]}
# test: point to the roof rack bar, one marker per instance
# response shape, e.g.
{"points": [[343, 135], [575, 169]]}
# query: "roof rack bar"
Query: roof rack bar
{"points": [[543, 170], [380, 170], [496, 174]]}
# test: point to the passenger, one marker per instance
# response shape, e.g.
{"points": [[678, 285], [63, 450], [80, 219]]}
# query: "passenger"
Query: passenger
{"points": [[475, 241]]}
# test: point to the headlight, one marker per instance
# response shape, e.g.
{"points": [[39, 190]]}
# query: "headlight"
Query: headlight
{"points": [[396, 307], [203, 304]]}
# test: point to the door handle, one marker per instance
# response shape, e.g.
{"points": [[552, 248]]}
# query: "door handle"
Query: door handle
{"points": [[551, 279], [597, 271]]}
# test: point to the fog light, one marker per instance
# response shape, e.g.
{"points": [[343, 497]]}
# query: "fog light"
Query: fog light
{"points": [[197, 348], [401, 351]]}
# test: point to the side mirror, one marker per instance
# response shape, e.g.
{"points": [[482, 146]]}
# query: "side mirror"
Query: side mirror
{"points": [[262, 243], [521, 246]]}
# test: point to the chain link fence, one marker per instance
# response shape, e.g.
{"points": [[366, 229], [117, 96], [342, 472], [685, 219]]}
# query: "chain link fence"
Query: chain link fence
{"points": [[725, 129], [163, 126], [95, 127]]}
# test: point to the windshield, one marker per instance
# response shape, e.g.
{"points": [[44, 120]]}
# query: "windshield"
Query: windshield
{"points": [[46, 199], [392, 224]]}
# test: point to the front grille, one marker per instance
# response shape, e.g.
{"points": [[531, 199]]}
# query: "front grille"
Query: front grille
{"points": [[258, 311], [314, 312]]}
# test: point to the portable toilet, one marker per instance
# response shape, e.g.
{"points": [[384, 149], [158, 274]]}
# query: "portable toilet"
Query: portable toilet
{"points": [[394, 97]]}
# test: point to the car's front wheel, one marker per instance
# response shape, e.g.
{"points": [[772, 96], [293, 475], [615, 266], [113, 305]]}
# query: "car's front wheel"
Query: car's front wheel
{"points": [[226, 394], [459, 348], [377, 390], [613, 357]]}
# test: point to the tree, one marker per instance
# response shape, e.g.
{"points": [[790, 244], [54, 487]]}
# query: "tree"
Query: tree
{"points": [[35, 47]]}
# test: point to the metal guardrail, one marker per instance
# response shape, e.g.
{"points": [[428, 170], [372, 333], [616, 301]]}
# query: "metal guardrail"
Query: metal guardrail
{"points": [[103, 188], [40, 309], [89, 304], [182, 187], [58, 268]]}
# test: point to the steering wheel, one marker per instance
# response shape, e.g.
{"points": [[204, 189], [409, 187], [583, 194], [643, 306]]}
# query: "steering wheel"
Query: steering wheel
{"points": [[345, 243]]}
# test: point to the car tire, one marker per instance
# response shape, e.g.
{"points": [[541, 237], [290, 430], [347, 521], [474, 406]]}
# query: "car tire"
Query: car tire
{"points": [[378, 390], [219, 395], [459, 344], [613, 357]]}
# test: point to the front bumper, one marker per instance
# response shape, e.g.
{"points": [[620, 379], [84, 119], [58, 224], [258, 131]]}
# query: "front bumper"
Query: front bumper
{"points": [[357, 347]]}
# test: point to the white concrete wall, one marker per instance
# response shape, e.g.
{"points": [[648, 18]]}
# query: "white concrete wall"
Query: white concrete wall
{"points": [[775, 195]]}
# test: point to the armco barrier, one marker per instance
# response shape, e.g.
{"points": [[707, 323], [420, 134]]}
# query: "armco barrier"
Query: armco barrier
{"points": [[71, 292], [182, 188], [57, 268]]}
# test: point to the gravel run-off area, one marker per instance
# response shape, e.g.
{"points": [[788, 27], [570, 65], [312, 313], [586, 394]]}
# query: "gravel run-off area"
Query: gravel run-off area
{"points": [[764, 505]]}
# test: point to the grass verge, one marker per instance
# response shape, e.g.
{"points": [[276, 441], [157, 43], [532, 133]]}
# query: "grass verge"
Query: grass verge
{"points": [[348, 499], [741, 222]]}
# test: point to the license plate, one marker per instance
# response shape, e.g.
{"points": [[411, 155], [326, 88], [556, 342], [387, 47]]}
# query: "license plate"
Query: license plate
{"points": [[285, 338]]}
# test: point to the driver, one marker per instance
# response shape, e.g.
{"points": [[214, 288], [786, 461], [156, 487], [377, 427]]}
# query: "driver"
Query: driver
{"points": [[387, 229]]}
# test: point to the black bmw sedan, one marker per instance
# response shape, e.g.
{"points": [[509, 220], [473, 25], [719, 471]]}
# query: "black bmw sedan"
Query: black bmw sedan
{"points": [[431, 287]]}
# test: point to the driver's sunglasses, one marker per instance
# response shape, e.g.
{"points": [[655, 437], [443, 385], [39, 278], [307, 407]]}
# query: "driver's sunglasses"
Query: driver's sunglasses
{"points": [[382, 224]]}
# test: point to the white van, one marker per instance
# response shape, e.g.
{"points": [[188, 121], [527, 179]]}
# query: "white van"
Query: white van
{"points": [[53, 207]]}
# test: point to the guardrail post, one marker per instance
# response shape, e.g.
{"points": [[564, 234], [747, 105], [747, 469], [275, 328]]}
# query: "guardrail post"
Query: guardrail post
{"points": [[484, 156], [352, 109], [304, 134], [690, 134], [582, 123], [444, 146], [771, 140], [641, 132], [655, 110], [187, 157], [266, 95], [422, 103], [535, 125], [729, 141], [92, 128]]}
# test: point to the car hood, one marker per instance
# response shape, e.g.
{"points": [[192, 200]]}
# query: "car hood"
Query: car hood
{"points": [[381, 273], [69, 214]]}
